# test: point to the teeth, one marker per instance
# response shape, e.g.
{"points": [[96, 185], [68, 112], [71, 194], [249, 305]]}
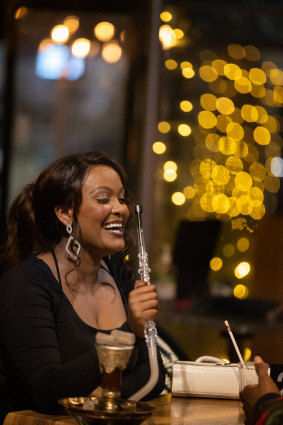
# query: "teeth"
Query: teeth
{"points": [[113, 226]]}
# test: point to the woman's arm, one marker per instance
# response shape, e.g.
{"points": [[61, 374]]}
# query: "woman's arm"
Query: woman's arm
{"points": [[36, 370]]}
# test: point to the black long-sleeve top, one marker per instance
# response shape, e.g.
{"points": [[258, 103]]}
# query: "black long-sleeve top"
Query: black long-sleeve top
{"points": [[47, 350]]}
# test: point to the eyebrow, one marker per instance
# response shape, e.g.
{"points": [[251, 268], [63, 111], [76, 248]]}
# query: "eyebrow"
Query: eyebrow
{"points": [[122, 189]]}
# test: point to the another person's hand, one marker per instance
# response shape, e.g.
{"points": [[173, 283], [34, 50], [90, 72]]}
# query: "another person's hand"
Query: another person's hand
{"points": [[142, 306], [252, 393]]}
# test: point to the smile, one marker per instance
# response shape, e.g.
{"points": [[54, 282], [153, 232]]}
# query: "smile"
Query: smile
{"points": [[115, 228]]}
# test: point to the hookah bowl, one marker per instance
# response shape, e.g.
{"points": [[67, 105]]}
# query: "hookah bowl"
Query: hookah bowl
{"points": [[109, 409]]}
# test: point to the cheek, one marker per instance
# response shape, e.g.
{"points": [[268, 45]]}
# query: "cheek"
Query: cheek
{"points": [[94, 213]]}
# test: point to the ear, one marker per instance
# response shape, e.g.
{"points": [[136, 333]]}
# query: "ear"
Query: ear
{"points": [[64, 214]]}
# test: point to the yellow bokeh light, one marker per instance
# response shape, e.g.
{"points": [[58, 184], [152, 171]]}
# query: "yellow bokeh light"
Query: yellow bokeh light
{"points": [[262, 135], [244, 204], [104, 31], [257, 76], [206, 202], [241, 291], [243, 85], [81, 48], [232, 71], [189, 192], [159, 147], [278, 95], [236, 51], [225, 105], [258, 91], [235, 131], [166, 16], [211, 142], [249, 113], [208, 73], [111, 52], [228, 250], [262, 114], [242, 269], [208, 101], [258, 212], [247, 354], [72, 22], [167, 36], [178, 198], [21, 12], [186, 105], [206, 166], [221, 203], [44, 44], [242, 149], [164, 127], [234, 164], [207, 119], [170, 165], [257, 171], [220, 175], [178, 33], [252, 53], [188, 72], [243, 181], [184, 130], [171, 64], [276, 76], [218, 65], [216, 263], [227, 145], [60, 34], [243, 244], [256, 195], [169, 175], [222, 122], [186, 64], [272, 184]]}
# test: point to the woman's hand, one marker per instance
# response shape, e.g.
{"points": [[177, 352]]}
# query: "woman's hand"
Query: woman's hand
{"points": [[252, 393], [142, 306]]}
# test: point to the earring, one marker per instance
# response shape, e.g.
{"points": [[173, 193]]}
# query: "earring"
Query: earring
{"points": [[74, 242]]}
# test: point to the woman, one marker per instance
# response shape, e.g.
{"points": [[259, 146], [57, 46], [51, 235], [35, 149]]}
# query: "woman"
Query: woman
{"points": [[68, 232]]}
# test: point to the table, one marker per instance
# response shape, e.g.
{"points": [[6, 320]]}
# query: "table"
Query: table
{"points": [[168, 411]]}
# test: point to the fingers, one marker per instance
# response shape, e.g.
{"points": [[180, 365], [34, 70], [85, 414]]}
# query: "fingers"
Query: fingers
{"points": [[265, 382], [261, 368]]}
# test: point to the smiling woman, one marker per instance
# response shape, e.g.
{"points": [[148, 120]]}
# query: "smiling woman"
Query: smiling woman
{"points": [[68, 233]]}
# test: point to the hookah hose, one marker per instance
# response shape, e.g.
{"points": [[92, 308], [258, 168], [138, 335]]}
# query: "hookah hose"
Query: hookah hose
{"points": [[150, 331]]}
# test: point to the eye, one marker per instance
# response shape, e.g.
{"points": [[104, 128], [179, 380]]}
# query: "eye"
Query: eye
{"points": [[102, 200], [122, 200]]}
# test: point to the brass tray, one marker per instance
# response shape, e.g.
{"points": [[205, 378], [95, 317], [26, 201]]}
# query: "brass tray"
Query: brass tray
{"points": [[93, 411]]}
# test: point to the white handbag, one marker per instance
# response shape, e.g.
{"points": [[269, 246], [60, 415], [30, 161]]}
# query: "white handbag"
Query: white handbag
{"points": [[208, 377]]}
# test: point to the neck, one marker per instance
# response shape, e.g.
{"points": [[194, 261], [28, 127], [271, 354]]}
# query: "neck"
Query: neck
{"points": [[85, 272]]}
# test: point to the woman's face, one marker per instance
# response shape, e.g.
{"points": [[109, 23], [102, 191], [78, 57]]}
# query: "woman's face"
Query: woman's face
{"points": [[103, 213]]}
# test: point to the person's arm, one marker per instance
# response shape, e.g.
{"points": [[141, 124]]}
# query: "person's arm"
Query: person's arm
{"points": [[262, 402], [30, 347]]}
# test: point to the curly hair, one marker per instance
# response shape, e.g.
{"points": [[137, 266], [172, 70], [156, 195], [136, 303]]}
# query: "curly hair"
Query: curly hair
{"points": [[32, 224]]}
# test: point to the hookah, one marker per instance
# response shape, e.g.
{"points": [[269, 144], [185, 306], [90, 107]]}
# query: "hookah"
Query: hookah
{"points": [[113, 352], [150, 331]]}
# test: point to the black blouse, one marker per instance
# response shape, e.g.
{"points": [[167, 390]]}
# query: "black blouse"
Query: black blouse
{"points": [[47, 350]]}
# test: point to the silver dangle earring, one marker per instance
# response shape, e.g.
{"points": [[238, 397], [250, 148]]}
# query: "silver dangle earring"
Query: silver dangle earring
{"points": [[74, 242]]}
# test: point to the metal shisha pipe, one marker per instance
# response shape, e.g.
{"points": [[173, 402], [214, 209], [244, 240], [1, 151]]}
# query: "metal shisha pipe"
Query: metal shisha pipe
{"points": [[150, 331]]}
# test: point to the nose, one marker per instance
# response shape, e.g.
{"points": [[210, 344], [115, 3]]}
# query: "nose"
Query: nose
{"points": [[117, 207]]}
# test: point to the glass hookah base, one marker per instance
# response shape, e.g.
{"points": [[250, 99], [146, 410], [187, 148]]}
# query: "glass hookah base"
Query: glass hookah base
{"points": [[96, 411]]}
